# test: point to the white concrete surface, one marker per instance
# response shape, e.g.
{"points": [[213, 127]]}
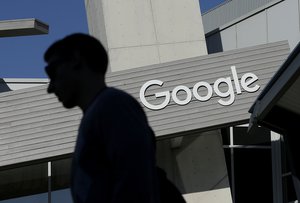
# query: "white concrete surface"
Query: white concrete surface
{"points": [[22, 27], [128, 23], [212, 196], [122, 58], [139, 33], [177, 21], [197, 166], [181, 50]]}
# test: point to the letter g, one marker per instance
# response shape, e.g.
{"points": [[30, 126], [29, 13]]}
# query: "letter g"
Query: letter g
{"points": [[165, 94]]}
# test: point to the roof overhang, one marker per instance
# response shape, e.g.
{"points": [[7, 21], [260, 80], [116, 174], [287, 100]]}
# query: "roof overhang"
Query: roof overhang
{"points": [[22, 27], [278, 105]]}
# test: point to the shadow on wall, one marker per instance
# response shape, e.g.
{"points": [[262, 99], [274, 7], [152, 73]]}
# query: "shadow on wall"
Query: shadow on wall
{"points": [[214, 41], [3, 86]]}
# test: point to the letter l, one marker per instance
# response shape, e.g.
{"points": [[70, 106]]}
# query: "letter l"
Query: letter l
{"points": [[236, 80]]}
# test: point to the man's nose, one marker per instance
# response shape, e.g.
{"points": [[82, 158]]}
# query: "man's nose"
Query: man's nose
{"points": [[50, 88]]}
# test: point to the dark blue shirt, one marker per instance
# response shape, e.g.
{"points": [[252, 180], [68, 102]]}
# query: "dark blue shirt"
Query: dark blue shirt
{"points": [[114, 159]]}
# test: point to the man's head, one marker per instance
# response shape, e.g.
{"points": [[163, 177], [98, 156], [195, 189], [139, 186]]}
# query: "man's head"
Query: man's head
{"points": [[73, 62], [81, 47]]}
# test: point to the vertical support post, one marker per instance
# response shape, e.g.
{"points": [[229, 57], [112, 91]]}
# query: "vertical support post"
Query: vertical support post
{"points": [[49, 182], [231, 146], [276, 168]]}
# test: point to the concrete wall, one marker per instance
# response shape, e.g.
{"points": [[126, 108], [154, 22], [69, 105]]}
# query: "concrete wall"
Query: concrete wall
{"points": [[271, 23], [196, 164], [261, 60], [138, 33]]}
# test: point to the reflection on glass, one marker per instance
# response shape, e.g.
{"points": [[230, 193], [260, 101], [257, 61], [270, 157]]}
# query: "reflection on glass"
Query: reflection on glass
{"points": [[38, 198], [31, 184], [59, 196], [25, 181], [60, 177]]}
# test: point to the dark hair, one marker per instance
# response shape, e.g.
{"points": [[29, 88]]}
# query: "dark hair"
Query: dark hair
{"points": [[89, 49]]}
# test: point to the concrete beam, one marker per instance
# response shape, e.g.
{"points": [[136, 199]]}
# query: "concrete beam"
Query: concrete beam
{"points": [[22, 27]]}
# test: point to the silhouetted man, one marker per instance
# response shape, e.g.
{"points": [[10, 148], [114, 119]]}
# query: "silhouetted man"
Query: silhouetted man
{"points": [[114, 158]]}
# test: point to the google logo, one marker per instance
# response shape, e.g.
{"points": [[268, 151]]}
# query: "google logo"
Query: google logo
{"points": [[227, 97]]}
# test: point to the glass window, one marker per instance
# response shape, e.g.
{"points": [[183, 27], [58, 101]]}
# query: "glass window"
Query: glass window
{"points": [[31, 183], [249, 164], [60, 181], [60, 174], [24, 181]]}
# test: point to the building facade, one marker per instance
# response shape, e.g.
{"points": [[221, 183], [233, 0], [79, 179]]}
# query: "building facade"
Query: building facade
{"points": [[200, 121]]}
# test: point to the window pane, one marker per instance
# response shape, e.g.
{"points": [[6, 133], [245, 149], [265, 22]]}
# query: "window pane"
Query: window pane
{"points": [[253, 175], [61, 170], [60, 181], [24, 181], [260, 136]]}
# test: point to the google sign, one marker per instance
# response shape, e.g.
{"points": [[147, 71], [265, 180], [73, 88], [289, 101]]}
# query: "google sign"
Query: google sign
{"points": [[245, 83]]}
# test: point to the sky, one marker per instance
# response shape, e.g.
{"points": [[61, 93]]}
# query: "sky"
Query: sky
{"points": [[22, 57]]}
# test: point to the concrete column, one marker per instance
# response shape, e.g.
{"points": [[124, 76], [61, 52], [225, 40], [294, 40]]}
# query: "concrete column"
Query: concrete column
{"points": [[197, 167], [139, 33]]}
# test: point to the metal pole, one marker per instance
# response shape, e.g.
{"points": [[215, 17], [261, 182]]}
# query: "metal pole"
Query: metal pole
{"points": [[49, 182], [231, 145]]}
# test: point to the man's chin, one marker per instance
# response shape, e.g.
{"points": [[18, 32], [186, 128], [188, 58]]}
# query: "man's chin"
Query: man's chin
{"points": [[68, 105]]}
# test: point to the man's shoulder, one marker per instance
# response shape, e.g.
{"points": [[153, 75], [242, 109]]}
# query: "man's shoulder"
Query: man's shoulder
{"points": [[113, 102], [105, 102], [113, 97], [111, 93], [114, 91]]}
